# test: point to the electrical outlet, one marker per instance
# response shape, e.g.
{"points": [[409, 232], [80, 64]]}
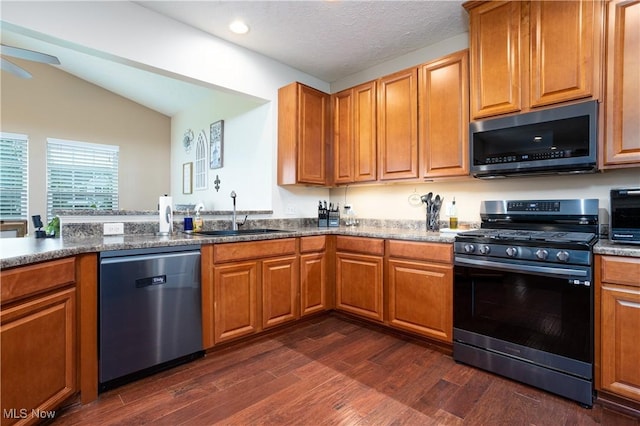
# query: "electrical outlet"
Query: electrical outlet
{"points": [[291, 209], [114, 228]]}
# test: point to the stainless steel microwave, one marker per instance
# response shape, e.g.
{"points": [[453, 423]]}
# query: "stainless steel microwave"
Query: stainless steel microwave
{"points": [[624, 224], [551, 141]]}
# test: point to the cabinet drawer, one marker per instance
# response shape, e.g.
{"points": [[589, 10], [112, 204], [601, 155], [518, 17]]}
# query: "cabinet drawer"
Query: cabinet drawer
{"points": [[310, 244], [253, 249], [430, 252], [619, 270], [360, 245], [27, 280]]}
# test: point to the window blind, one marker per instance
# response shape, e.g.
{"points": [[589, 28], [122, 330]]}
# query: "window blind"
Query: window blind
{"points": [[81, 175], [14, 174]]}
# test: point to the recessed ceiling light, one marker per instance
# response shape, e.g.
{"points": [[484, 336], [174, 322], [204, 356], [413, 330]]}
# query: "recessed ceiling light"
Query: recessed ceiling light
{"points": [[239, 27]]}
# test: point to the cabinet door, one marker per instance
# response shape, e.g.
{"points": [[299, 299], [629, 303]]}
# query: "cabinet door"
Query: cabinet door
{"points": [[622, 100], [565, 40], [312, 135], [421, 298], [365, 134], [313, 276], [397, 125], [279, 291], [444, 116], [496, 58], [359, 285], [343, 138], [38, 353], [235, 287], [302, 135], [620, 334]]}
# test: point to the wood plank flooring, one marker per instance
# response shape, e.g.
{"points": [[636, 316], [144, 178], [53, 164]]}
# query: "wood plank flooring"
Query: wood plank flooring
{"points": [[331, 371]]}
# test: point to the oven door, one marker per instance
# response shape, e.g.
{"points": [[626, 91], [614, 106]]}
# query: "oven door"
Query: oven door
{"points": [[538, 314]]}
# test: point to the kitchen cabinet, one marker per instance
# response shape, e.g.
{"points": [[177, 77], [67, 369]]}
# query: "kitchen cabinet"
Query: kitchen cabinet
{"points": [[617, 332], [279, 291], [622, 96], [354, 134], [303, 129], [359, 276], [420, 281], [38, 339], [444, 116], [255, 286], [314, 269], [526, 55], [397, 126]]}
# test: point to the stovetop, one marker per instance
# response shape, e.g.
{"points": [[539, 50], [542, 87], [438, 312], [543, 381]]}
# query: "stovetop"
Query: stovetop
{"points": [[517, 235]]}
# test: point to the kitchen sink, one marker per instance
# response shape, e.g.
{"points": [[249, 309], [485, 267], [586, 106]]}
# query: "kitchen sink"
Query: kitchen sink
{"points": [[231, 232]]}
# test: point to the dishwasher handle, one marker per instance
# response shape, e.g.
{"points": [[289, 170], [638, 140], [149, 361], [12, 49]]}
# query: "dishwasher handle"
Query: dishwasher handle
{"points": [[149, 281]]}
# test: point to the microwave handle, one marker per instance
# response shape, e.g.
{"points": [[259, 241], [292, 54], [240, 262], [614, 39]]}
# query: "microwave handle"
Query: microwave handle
{"points": [[634, 192]]}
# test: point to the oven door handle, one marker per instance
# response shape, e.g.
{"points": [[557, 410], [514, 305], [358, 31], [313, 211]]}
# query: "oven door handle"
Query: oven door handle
{"points": [[546, 270]]}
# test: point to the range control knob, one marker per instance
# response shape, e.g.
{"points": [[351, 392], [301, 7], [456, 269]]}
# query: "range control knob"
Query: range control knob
{"points": [[563, 256], [485, 249], [512, 251], [469, 248], [542, 254]]}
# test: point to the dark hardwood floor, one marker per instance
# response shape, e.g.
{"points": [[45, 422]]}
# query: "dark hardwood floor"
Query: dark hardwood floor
{"points": [[331, 370]]}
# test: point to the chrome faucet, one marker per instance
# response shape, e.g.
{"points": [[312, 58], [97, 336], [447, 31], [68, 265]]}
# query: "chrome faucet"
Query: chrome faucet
{"points": [[234, 219], [234, 222]]}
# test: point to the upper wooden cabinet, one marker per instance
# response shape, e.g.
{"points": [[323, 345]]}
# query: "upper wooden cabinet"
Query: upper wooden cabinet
{"points": [[532, 54], [397, 125], [302, 135], [622, 98], [443, 99], [354, 134]]}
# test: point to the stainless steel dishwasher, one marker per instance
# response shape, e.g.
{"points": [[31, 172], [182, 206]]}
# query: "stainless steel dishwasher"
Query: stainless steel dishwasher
{"points": [[149, 311]]}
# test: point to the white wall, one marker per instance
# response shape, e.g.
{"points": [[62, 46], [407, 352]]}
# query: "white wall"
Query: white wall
{"points": [[391, 201], [151, 41]]}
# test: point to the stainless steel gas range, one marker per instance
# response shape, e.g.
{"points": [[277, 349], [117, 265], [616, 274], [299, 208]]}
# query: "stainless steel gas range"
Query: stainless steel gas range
{"points": [[523, 294]]}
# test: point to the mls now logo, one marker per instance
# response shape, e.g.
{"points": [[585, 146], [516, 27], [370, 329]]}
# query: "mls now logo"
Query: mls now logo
{"points": [[23, 413]]}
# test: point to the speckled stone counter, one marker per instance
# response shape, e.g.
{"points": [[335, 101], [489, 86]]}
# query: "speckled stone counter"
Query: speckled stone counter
{"points": [[616, 249], [23, 251]]}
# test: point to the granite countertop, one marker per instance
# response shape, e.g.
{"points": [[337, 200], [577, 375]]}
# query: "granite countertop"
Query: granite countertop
{"points": [[23, 251]]}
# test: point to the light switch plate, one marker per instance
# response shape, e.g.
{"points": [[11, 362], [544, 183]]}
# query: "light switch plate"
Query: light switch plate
{"points": [[114, 228]]}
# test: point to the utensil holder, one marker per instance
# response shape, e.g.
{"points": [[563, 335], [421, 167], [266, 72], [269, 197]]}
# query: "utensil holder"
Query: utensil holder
{"points": [[433, 220]]}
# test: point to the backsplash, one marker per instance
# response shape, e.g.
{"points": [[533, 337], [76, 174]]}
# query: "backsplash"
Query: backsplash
{"points": [[151, 226]]}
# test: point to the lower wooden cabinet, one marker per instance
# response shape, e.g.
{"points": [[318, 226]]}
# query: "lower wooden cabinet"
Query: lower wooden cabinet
{"points": [[420, 289], [253, 286], [359, 276], [618, 310], [235, 289], [38, 341], [314, 265], [279, 291]]}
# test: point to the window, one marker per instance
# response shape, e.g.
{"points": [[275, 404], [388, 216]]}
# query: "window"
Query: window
{"points": [[201, 161], [13, 176], [81, 176]]}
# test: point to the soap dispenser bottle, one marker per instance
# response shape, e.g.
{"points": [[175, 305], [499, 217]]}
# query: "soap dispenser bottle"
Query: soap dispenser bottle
{"points": [[197, 222]]}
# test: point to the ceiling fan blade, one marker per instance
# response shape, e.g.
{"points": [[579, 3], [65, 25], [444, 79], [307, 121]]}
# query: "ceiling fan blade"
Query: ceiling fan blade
{"points": [[29, 55], [13, 68]]}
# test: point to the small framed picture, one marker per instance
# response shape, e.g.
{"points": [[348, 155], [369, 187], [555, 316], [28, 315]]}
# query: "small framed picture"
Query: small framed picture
{"points": [[187, 178], [216, 141]]}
